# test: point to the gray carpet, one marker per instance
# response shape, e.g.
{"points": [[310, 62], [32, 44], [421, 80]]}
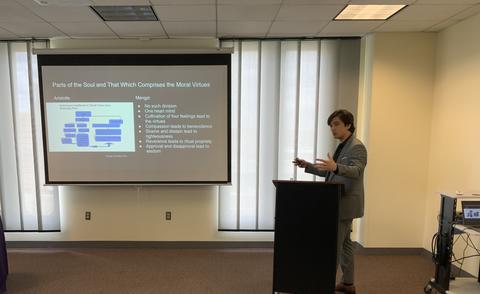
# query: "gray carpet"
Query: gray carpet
{"points": [[172, 271]]}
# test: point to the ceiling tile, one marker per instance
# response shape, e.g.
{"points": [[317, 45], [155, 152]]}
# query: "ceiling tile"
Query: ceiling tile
{"points": [[386, 2], [182, 2], [243, 28], [446, 2], [296, 28], [248, 2], [428, 12], [4, 34], [442, 25], [185, 12], [308, 12], [315, 2], [32, 29], [190, 28], [67, 14], [406, 25], [239, 18], [61, 3], [12, 11], [470, 11], [84, 29], [247, 12], [137, 28], [340, 35], [355, 28]]}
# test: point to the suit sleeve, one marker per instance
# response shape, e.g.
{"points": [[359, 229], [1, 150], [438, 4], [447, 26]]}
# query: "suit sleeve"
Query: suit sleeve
{"points": [[357, 160], [312, 170]]}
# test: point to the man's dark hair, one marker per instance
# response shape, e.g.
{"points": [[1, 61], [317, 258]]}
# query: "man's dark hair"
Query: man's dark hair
{"points": [[345, 116]]}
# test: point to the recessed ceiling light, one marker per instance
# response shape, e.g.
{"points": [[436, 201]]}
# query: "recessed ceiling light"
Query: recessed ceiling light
{"points": [[368, 12], [126, 13]]}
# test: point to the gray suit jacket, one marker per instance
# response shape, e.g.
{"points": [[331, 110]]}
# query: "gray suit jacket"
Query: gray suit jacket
{"points": [[351, 164]]}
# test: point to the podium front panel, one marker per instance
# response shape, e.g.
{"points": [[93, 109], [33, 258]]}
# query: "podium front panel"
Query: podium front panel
{"points": [[306, 225]]}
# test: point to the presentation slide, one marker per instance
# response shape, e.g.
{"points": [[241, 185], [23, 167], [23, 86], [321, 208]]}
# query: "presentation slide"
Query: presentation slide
{"points": [[136, 124]]}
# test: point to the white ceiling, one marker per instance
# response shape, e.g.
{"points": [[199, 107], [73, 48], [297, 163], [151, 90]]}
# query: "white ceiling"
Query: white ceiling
{"points": [[223, 18]]}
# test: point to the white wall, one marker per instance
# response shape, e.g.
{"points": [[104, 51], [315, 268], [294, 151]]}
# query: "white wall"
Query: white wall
{"points": [[455, 141], [396, 105], [138, 213]]}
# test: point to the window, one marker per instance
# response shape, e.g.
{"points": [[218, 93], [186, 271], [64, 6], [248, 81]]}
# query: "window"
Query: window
{"points": [[26, 204], [282, 95]]}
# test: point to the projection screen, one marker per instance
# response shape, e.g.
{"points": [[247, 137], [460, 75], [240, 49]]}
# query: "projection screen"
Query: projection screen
{"points": [[135, 118]]}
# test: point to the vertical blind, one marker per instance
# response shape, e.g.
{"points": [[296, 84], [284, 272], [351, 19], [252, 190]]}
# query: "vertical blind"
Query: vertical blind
{"points": [[26, 204], [282, 95]]}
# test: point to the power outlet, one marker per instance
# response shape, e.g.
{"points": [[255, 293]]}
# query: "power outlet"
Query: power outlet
{"points": [[168, 215], [88, 215]]}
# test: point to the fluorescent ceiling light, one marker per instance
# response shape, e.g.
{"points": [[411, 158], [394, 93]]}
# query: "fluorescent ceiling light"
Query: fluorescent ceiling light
{"points": [[368, 12]]}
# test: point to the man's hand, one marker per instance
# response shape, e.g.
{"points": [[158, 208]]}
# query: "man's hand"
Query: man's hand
{"points": [[300, 162], [326, 164]]}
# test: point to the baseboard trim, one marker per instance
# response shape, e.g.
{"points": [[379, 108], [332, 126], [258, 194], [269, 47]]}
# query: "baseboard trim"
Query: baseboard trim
{"points": [[138, 244], [454, 270], [359, 249]]}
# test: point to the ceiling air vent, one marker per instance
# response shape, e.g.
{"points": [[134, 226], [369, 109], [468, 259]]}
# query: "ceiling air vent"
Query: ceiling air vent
{"points": [[125, 13]]}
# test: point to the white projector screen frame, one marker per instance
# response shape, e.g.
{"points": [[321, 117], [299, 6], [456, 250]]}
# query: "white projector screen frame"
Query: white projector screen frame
{"points": [[147, 119]]}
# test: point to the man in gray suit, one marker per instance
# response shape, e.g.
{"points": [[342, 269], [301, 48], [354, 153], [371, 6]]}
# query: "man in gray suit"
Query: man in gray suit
{"points": [[346, 167]]}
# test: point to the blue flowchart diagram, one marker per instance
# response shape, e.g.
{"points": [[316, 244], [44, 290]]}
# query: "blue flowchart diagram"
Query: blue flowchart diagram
{"points": [[102, 128], [79, 133]]}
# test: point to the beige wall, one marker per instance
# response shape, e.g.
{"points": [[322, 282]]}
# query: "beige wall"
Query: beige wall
{"points": [[399, 101], [418, 111], [396, 86], [455, 141]]}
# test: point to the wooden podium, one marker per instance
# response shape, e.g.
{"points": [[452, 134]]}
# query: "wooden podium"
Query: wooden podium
{"points": [[306, 225]]}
